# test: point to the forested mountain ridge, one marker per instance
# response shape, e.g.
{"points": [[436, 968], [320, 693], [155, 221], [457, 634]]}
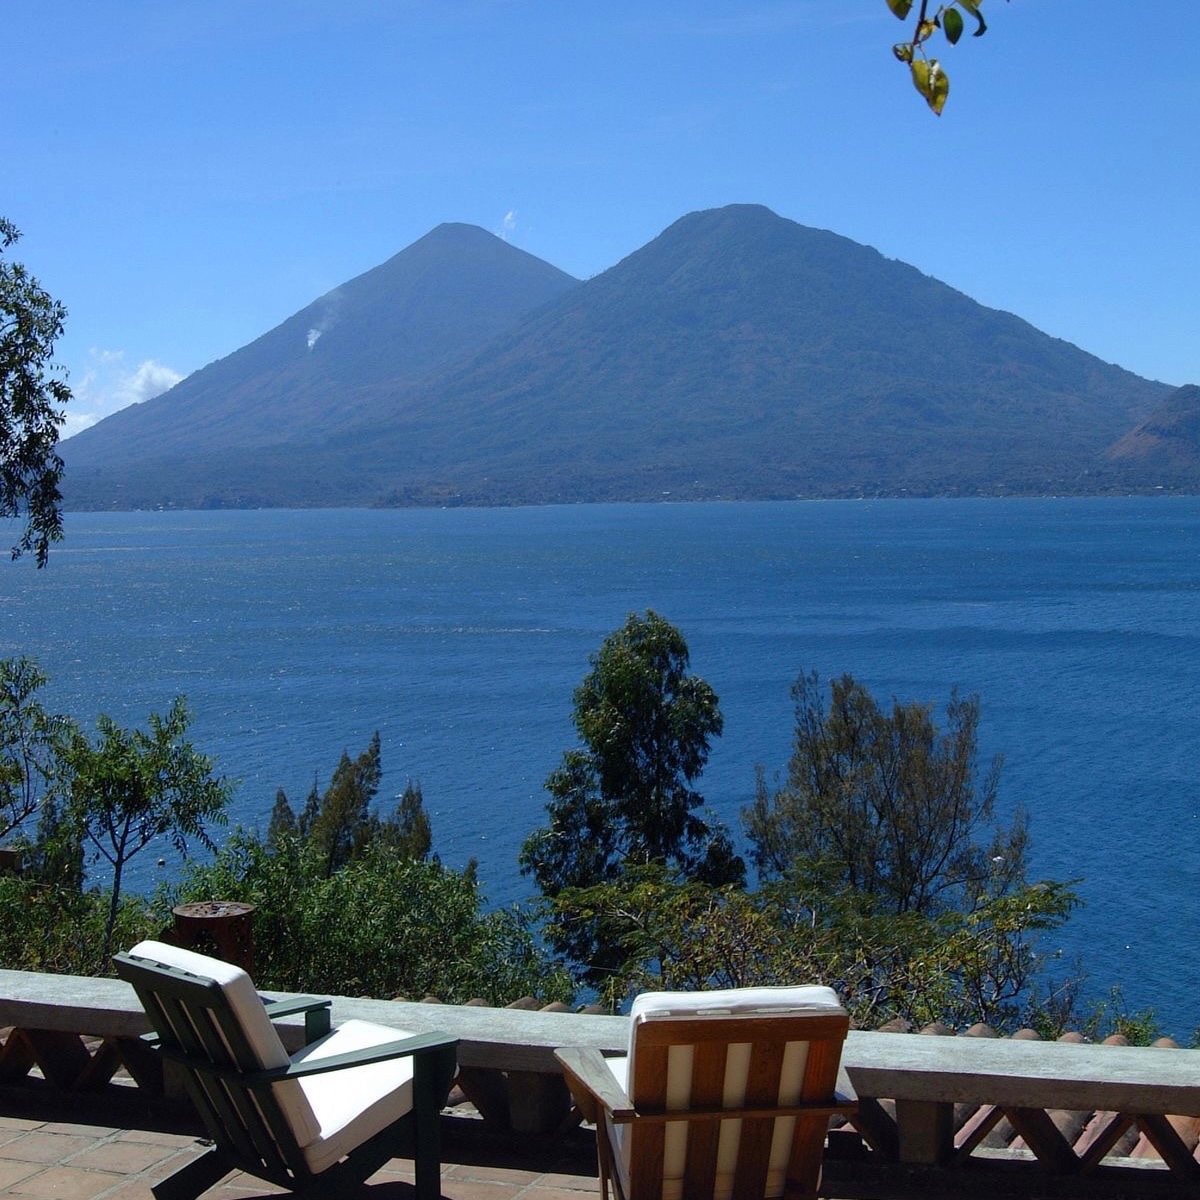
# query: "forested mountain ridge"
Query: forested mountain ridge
{"points": [[736, 355]]}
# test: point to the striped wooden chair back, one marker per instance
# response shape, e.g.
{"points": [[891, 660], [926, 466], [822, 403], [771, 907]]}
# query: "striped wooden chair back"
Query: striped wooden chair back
{"points": [[733, 1092]]}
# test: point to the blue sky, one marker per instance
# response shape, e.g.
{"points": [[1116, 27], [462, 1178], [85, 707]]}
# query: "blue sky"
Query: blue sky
{"points": [[186, 174]]}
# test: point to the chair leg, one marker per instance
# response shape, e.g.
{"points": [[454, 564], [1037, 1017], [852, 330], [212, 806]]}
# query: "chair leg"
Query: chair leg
{"points": [[194, 1177], [427, 1151]]}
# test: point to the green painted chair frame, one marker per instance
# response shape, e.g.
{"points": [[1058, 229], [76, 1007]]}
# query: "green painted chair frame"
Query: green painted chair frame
{"points": [[197, 1029]]}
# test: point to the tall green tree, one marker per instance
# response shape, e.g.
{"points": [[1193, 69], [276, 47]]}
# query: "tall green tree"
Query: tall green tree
{"points": [[340, 824], [131, 787], [885, 803], [408, 834], [626, 799], [343, 822], [32, 402]]}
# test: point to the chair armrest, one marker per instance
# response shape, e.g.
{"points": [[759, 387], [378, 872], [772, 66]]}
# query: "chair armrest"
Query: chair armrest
{"points": [[411, 1047], [592, 1083], [421, 1044], [297, 1004], [316, 1010]]}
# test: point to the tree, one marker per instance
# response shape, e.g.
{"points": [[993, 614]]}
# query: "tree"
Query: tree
{"points": [[381, 925], [887, 804], [27, 742], [132, 787], [283, 826], [340, 825], [408, 834], [959, 968], [31, 405], [626, 799], [928, 76], [344, 820]]}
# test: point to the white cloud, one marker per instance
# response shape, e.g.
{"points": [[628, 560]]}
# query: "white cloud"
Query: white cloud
{"points": [[108, 384]]}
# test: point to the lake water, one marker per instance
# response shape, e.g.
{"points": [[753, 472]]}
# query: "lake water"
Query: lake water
{"points": [[460, 635]]}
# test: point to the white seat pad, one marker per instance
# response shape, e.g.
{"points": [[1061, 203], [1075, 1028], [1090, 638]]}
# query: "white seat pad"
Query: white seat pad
{"points": [[353, 1104]]}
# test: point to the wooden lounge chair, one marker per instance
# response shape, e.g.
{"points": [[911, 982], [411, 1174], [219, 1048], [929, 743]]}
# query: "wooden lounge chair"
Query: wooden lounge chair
{"points": [[722, 1094], [317, 1122]]}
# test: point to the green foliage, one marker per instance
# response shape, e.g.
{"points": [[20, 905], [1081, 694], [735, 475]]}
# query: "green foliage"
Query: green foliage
{"points": [[626, 800], [55, 856], [340, 824], [132, 787], [381, 925], [875, 879], [347, 901], [61, 930], [340, 828], [409, 833], [1057, 1008], [31, 405], [887, 803], [957, 967], [27, 742], [928, 76]]}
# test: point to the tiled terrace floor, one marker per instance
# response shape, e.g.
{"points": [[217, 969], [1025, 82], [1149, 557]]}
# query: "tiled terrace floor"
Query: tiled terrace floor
{"points": [[63, 1160]]}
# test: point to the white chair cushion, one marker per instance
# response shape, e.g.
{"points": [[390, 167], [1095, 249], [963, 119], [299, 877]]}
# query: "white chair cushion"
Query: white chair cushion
{"points": [[663, 1005], [354, 1103], [256, 1025], [658, 1006]]}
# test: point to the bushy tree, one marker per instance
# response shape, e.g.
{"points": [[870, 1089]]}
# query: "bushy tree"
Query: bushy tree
{"points": [[131, 787], [958, 968], [60, 930], [626, 799], [32, 404], [885, 803], [382, 925]]}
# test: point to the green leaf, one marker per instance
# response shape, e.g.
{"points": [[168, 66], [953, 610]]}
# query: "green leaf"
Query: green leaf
{"points": [[972, 6], [900, 7], [903, 51], [925, 31], [952, 25], [932, 82]]}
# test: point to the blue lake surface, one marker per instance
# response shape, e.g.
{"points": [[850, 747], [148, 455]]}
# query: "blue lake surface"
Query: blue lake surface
{"points": [[461, 634]]}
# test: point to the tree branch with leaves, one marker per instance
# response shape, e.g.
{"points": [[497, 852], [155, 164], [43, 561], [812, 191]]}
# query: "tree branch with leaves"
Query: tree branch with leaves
{"points": [[32, 403], [928, 75]]}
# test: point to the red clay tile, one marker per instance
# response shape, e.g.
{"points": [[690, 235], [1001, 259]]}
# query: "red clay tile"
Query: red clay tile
{"points": [[11, 1172], [125, 1158], [65, 1183], [40, 1147]]}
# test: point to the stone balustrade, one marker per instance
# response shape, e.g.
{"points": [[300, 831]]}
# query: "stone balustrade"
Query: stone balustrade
{"points": [[1101, 1115]]}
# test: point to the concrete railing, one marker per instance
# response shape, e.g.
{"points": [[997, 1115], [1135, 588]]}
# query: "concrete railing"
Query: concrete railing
{"points": [[926, 1102]]}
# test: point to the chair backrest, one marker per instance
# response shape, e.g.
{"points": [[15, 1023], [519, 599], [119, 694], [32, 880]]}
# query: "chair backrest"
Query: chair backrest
{"points": [[745, 1049], [209, 1012]]}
